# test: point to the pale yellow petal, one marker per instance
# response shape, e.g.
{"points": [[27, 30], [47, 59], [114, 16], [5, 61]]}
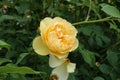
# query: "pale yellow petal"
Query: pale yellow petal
{"points": [[71, 67], [61, 72], [60, 56], [76, 44], [54, 61], [71, 29], [47, 20], [39, 47], [44, 24], [58, 19], [63, 56]]}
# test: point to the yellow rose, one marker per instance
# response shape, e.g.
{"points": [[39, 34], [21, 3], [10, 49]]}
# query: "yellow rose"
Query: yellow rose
{"points": [[58, 37]]}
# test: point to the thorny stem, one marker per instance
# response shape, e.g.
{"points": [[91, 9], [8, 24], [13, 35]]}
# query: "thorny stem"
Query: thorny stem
{"points": [[95, 21]]}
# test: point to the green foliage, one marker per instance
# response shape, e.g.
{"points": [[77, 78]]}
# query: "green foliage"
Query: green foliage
{"points": [[17, 70], [105, 69], [21, 57], [4, 44], [98, 78], [4, 60], [6, 17], [98, 25], [111, 10], [88, 56], [112, 58]]}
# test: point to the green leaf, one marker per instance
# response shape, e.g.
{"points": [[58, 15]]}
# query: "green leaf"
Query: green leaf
{"points": [[84, 71], [6, 17], [23, 8], [17, 70], [98, 78], [75, 2], [99, 41], [114, 27], [105, 69], [3, 60], [91, 41], [21, 57], [105, 39], [112, 58], [18, 76], [71, 77], [111, 10], [88, 57], [113, 75], [86, 30], [4, 44]]}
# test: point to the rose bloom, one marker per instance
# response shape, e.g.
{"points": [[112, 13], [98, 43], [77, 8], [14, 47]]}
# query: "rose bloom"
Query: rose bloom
{"points": [[58, 37], [62, 68]]}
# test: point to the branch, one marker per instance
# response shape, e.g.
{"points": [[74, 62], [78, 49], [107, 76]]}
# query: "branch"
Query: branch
{"points": [[95, 21], [88, 11]]}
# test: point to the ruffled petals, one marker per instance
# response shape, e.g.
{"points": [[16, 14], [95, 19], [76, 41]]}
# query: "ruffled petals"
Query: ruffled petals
{"points": [[39, 47]]}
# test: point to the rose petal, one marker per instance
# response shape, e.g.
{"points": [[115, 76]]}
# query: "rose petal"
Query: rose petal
{"points": [[58, 19], [67, 25], [71, 67], [54, 61], [75, 45], [60, 56], [61, 72], [39, 46], [44, 24]]}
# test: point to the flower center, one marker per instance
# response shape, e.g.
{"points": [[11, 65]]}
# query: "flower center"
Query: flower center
{"points": [[59, 31], [58, 39], [67, 61], [54, 77]]}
